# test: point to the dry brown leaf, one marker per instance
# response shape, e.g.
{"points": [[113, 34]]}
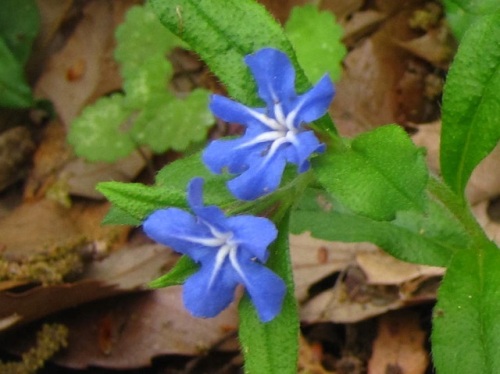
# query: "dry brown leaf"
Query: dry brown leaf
{"points": [[130, 331], [57, 172], [314, 259], [84, 69], [16, 148], [381, 268], [399, 346], [125, 271]]}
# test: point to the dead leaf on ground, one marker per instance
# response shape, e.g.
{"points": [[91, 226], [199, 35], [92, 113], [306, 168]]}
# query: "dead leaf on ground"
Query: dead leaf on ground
{"points": [[84, 69], [400, 345], [57, 172], [356, 297], [124, 271], [314, 259], [130, 331]]}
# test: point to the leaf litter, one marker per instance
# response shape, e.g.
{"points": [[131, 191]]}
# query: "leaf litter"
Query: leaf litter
{"points": [[393, 72]]}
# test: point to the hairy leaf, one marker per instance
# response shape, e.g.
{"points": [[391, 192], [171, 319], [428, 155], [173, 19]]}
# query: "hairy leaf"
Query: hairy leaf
{"points": [[430, 238], [184, 268], [470, 104], [466, 327], [316, 38], [19, 25], [212, 30], [380, 173], [272, 347]]}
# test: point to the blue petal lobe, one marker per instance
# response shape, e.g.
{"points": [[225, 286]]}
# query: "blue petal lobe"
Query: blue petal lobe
{"points": [[173, 226], [231, 154], [195, 192], [307, 144], [254, 234], [261, 178], [232, 111], [266, 290], [207, 300], [314, 103], [274, 74]]}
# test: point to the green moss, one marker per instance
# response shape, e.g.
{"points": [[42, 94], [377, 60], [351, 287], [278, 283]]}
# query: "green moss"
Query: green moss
{"points": [[50, 339]]}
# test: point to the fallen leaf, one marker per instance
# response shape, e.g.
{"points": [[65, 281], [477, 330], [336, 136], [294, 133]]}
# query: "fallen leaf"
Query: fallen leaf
{"points": [[124, 271], [400, 345], [128, 332], [84, 69]]}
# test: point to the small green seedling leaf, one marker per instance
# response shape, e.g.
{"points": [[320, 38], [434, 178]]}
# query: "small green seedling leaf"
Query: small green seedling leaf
{"points": [[316, 38], [466, 327], [147, 114], [380, 173], [272, 347], [173, 124], [470, 104], [182, 270], [100, 133]]}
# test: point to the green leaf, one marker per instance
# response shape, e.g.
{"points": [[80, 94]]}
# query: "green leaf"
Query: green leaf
{"points": [[182, 270], [478, 7], [142, 39], [380, 173], [431, 238], [117, 216], [139, 200], [100, 132], [178, 174], [458, 18], [174, 124], [470, 104], [19, 25], [466, 327], [14, 90], [212, 30], [272, 347], [316, 38]]}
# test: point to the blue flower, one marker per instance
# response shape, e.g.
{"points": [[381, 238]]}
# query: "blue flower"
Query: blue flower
{"points": [[275, 134], [230, 250]]}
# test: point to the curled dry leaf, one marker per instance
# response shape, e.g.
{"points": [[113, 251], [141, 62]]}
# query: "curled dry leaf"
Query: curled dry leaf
{"points": [[84, 68], [314, 259], [400, 345], [56, 171], [124, 271], [16, 147], [373, 284]]}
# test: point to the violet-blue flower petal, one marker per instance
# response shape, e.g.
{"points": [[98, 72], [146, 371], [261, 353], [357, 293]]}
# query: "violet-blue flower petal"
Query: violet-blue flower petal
{"points": [[273, 73], [267, 290], [255, 234], [205, 299], [260, 179]]}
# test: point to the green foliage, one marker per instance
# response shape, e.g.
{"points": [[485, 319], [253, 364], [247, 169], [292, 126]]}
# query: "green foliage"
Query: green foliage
{"points": [[470, 103], [430, 238], [210, 29], [272, 347], [380, 173], [146, 114], [316, 39], [182, 270], [19, 25], [100, 132], [466, 326], [133, 202]]}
